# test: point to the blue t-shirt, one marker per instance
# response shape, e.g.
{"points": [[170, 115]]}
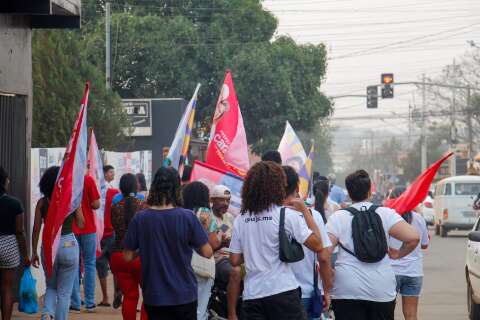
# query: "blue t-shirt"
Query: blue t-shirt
{"points": [[165, 239], [337, 195]]}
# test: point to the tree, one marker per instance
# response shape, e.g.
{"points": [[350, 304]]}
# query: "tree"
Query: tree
{"points": [[163, 48], [59, 74], [436, 147], [447, 105]]}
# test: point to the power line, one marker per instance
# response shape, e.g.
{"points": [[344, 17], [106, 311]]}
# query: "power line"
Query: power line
{"points": [[386, 46]]}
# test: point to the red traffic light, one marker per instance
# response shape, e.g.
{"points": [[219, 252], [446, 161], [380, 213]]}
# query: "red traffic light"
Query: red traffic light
{"points": [[387, 78]]}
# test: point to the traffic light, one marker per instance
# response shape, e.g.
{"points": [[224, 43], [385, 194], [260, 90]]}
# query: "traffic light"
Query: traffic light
{"points": [[372, 97], [387, 89]]}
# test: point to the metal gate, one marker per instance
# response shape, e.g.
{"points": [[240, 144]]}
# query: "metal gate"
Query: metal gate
{"points": [[13, 144]]}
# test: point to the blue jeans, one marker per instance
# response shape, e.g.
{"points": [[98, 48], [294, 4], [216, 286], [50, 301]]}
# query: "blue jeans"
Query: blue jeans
{"points": [[307, 305], [88, 245], [60, 284], [204, 292]]}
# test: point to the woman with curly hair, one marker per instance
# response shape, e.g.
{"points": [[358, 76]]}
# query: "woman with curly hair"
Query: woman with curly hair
{"points": [[165, 236], [271, 289]]}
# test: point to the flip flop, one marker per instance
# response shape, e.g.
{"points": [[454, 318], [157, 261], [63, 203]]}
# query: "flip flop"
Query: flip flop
{"points": [[103, 304]]}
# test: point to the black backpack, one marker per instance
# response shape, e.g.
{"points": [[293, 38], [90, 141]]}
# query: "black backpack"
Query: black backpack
{"points": [[369, 240]]}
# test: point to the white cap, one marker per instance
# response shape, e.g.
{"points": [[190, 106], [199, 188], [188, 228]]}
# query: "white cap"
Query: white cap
{"points": [[220, 191]]}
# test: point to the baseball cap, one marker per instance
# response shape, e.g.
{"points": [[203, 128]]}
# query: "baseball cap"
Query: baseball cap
{"points": [[220, 191]]}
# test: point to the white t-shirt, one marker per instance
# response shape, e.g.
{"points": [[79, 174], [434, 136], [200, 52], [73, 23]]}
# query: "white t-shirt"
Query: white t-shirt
{"points": [[360, 280], [303, 270], [256, 237], [412, 264]]}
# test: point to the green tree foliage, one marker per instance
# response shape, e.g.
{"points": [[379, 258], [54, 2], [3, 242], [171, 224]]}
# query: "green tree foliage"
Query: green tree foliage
{"points": [[59, 74], [163, 48]]}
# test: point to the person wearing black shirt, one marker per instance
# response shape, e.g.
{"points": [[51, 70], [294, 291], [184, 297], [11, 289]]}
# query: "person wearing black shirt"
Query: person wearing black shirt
{"points": [[13, 246]]}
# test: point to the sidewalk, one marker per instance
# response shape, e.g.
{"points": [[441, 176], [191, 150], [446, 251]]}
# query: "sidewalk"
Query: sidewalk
{"points": [[101, 313]]}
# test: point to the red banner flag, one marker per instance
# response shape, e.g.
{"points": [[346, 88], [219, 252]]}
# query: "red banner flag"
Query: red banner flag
{"points": [[417, 191], [68, 190], [228, 149]]}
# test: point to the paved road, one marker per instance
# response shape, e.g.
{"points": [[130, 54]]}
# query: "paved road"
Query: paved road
{"points": [[444, 292]]}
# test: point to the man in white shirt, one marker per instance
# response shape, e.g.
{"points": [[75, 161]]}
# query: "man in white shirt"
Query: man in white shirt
{"points": [[271, 290], [226, 276], [306, 270], [361, 290]]}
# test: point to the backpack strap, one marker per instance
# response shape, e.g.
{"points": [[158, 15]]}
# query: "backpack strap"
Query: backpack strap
{"points": [[352, 210], [282, 220], [347, 250]]}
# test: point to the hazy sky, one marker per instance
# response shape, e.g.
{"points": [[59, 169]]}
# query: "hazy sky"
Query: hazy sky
{"points": [[367, 37]]}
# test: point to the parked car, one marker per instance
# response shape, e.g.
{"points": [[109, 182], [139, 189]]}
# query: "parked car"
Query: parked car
{"points": [[453, 204], [472, 272], [428, 212]]}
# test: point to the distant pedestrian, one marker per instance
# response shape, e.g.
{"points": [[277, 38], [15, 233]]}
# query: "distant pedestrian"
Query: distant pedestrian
{"points": [[365, 287], [106, 244], [60, 284], [109, 174], [128, 274], [165, 236], [337, 195], [87, 239], [272, 155], [142, 184], [196, 197], [409, 269], [306, 270], [13, 245], [271, 290]]}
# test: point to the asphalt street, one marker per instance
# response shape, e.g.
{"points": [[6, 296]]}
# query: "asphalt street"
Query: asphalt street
{"points": [[444, 295]]}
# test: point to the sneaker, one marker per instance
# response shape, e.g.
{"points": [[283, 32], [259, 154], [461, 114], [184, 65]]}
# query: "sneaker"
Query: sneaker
{"points": [[91, 309], [74, 310]]}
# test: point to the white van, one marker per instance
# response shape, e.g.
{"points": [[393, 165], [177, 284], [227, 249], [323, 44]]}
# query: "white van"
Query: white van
{"points": [[453, 203]]}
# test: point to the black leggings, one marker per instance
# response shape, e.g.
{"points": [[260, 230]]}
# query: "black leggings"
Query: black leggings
{"points": [[182, 311]]}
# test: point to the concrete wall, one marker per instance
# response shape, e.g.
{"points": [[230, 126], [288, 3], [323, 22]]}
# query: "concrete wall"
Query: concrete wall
{"points": [[15, 55], [16, 85], [16, 78]]}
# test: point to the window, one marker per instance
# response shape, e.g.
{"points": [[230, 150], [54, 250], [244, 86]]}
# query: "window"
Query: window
{"points": [[448, 189], [467, 189], [439, 189]]}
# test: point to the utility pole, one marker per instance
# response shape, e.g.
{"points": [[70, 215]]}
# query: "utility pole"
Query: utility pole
{"points": [[469, 125], [108, 51], [453, 129], [423, 136]]}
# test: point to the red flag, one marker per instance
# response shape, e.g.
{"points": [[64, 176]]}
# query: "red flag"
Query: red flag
{"points": [[95, 170], [417, 191], [68, 190], [228, 149]]}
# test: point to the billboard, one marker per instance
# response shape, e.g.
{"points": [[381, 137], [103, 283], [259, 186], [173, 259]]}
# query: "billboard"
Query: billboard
{"points": [[139, 111]]}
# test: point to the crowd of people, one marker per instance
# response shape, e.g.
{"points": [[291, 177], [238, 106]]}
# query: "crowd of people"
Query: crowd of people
{"points": [[283, 257]]}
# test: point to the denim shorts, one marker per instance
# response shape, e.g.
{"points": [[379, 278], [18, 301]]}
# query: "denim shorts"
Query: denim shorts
{"points": [[409, 286]]}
